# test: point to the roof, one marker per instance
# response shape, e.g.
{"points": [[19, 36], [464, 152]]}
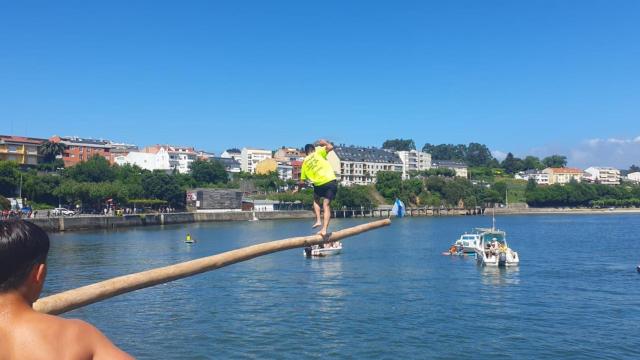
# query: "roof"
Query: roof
{"points": [[362, 154], [170, 148], [448, 163], [233, 151], [565, 170], [21, 139], [74, 140]]}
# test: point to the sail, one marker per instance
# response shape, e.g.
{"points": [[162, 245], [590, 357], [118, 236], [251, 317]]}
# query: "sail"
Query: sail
{"points": [[398, 208]]}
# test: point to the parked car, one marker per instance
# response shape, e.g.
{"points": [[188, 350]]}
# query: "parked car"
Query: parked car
{"points": [[62, 212]]}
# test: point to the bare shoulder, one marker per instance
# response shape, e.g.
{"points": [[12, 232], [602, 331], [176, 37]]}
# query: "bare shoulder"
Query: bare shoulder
{"points": [[91, 340]]}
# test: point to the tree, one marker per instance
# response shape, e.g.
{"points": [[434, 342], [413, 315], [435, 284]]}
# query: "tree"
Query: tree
{"points": [[446, 151], [96, 169], [532, 163], [512, 164], [9, 176], [389, 184], [555, 161], [501, 188], [5, 204], [399, 145], [478, 155], [352, 197], [49, 150], [208, 172], [634, 168], [162, 186]]}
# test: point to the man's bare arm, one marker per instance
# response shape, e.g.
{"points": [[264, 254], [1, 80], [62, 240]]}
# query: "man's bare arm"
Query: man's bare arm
{"points": [[102, 347], [327, 145]]}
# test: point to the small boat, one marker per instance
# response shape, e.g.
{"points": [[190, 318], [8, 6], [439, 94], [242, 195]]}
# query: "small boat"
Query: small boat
{"points": [[494, 250], [638, 268], [323, 250], [468, 242]]}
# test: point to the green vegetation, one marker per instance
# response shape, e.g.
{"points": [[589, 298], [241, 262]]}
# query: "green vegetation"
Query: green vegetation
{"points": [[92, 183], [50, 150], [399, 145], [4, 203], [581, 194]]}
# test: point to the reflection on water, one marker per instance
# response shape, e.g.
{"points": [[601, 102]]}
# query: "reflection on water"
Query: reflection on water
{"points": [[330, 289], [499, 276]]}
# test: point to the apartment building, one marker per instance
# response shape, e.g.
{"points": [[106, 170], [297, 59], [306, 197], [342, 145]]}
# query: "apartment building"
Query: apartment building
{"points": [[251, 157], [563, 175], [603, 175], [360, 165], [539, 177], [23, 150], [286, 154], [180, 157], [158, 160], [461, 169], [235, 154], [82, 149], [413, 161]]}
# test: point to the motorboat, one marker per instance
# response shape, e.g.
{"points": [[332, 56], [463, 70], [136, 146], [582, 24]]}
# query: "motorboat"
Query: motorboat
{"points": [[468, 242], [493, 249], [329, 249]]}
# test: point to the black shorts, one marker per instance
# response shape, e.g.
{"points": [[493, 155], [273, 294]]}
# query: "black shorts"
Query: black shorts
{"points": [[327, 191]]}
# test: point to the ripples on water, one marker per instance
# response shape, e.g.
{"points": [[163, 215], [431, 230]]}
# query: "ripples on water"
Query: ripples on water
{"points": [[390, 294]]}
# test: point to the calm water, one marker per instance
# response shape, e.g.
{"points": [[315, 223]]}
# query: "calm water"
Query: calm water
{"points": [[390, 294]]}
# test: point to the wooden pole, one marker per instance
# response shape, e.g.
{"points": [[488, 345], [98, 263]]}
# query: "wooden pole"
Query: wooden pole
{"points": [[76, 298]]}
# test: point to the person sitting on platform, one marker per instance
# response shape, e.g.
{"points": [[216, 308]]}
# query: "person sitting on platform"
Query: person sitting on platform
{"points": [[317, 169], [24, 332]]}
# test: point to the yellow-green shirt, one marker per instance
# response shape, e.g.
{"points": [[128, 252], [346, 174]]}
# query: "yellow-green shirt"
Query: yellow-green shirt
{"points": [[316, 168]]}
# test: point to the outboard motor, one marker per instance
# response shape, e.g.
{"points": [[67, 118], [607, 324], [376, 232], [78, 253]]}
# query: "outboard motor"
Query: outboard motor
{"points": [[502, 259], [307, 251]]}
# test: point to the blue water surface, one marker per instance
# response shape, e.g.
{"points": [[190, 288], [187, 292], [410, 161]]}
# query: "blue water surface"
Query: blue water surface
{"points": [[390, 294]]}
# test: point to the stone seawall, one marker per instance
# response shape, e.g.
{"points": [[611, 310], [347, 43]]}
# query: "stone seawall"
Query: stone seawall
{"points": [[115, 222]]}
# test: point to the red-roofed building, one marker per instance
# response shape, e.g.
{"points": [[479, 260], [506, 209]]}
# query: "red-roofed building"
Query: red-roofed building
{"points": [[23, 150], [563, 175], [82, 149]]}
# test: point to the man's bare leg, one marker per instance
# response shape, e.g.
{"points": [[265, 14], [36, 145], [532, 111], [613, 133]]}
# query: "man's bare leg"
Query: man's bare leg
{"points": [[316, 210], [326, 205]]}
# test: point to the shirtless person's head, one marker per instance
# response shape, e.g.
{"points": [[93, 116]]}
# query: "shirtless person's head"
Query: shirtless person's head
{"points": [[25, 333]]}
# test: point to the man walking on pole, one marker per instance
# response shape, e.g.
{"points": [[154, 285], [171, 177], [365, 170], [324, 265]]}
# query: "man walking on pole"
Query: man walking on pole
{"points": [[318, 170]]}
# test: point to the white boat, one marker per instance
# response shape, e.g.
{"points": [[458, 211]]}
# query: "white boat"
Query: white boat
{"points": [[493, 249], [333, 248], [468, 242]]}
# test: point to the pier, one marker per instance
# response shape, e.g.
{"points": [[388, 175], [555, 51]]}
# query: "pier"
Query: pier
{"points": [[417, 211]]}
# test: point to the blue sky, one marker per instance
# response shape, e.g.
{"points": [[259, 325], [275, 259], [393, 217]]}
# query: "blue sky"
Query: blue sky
{"points": [[524, 76]]}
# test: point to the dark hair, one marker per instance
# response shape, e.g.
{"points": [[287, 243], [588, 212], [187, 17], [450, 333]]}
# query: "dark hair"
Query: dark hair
{"points": [[22, 245], [309, 148]]}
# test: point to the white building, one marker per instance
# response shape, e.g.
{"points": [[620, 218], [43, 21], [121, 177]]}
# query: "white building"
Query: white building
{"points": [[285, 170], [235, 154], [540, 177], [414, 160], [458, 167], [251, 157], [205, 155], [634, 177], [603, 175], [180, 157], [148, 161], [232, 166], [360, 165]]}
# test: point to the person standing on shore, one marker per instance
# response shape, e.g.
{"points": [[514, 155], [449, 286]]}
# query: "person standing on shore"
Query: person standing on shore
{"points": [[319, 172], [24, 332]]}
